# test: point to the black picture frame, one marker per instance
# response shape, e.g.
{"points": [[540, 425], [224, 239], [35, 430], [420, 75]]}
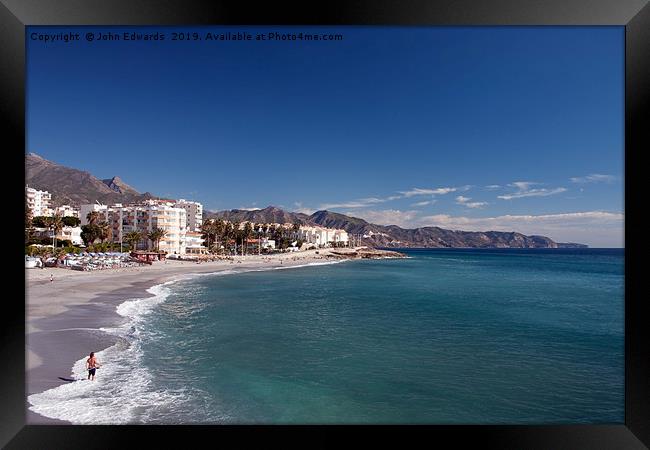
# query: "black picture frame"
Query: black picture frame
{"points": [[634, 15]]}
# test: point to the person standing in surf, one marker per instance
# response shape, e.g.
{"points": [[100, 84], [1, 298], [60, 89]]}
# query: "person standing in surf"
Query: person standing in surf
{"points": [[92, 364]]}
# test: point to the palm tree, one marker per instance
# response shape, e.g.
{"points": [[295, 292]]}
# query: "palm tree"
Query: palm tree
{"points": [[104, 231], [57, 225], [219, 227], [246, 233], [296, 229], [93, 217], [29, 226], [226, 233], [155, 236], [209, 232], [235, 233], [132, 238]]}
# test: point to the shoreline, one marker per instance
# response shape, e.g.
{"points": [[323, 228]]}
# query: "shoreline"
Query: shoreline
{"points": [[64, 317]]}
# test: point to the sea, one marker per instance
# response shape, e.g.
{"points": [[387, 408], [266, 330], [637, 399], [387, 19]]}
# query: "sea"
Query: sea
{"points": [[446, 336]]}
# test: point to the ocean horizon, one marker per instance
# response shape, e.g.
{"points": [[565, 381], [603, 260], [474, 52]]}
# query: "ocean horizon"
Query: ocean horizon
{"points": [[446, 336]]}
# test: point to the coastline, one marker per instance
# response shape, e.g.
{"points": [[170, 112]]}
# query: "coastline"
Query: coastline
{"points": [[64, 317]]}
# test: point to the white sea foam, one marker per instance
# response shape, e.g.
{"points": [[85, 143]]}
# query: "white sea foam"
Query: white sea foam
{"points": [[123, 391]]}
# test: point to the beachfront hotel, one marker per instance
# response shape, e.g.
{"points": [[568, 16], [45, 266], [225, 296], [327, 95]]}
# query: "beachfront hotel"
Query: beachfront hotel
{"points": [[321, 236], [144, 217], [194, 211], [38, 202], [72, 234]]}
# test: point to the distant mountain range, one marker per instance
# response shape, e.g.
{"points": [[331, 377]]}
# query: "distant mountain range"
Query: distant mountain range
{"points": [[75, 187], [392, 235]]}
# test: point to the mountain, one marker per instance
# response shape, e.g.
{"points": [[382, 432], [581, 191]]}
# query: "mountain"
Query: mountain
{"points": [[394, 236], [75, 187], [428, 237], [270, 214], [116, 184]]}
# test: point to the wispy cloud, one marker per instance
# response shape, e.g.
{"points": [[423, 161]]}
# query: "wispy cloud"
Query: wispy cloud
{"points": [[465, 201], [492, 187], [524, 190], [351, 204], [370, 201], [418, 191], [533, 193], [299, 208], [425, 203], [594, 178], [523, 185]]}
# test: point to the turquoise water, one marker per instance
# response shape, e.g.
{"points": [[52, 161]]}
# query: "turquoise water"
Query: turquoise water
{"points": [[447, 336]]}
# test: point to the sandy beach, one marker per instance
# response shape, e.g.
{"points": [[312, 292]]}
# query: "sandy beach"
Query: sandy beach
{"points": [[63, 316]]}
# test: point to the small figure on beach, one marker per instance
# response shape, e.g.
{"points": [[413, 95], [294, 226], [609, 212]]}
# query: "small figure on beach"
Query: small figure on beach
{"points": [[51, 278], [92, 364]]}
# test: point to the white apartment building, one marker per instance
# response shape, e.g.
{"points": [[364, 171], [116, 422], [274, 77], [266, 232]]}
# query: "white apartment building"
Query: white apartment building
{"points": [[38, 202], [66, 211], [194, 243], [72, 234], [322, 236], [194, 213], [144, 218]]}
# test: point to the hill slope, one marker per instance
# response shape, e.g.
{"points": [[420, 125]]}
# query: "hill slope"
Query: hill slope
{"points": [[270, 214], [75, 187]]}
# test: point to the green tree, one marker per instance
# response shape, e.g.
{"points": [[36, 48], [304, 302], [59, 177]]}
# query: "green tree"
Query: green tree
{"points": [[39, 221], [93, 217], [89, 234], [71, 221], [245, 234], [235, 233], [227, 234], [219, 227], [132, 238], [296, 229], [208, 230], [105, 231], [29, 226], [54, 224], [155, 236]]}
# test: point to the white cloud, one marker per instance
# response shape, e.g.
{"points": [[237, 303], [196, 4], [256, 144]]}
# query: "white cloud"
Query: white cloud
{"points": [[595, 228], [533, 193], [594, 178], [465, 201], [524, 190], [386, 217], [300, 209], [522, 185], [418, 191], [424, 203], [352, 204], [369, 201], [492, 187]]}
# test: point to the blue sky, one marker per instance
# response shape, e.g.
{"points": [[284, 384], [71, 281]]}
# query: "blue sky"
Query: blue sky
{"points": [[506, 128]]}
